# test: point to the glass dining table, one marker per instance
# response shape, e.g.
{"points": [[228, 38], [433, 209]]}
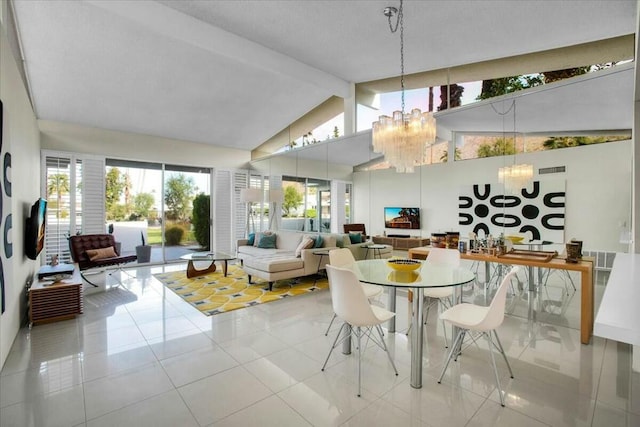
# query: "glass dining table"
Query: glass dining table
{"points": [[378, 272]]}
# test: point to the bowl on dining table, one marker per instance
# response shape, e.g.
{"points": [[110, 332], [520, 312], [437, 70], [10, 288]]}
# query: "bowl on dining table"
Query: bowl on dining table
{"points": [[403, 264], [515, 239]]}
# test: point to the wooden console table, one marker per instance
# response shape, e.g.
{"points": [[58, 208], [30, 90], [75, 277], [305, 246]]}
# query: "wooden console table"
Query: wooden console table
{"points": [[585, 267], [400, 242]]}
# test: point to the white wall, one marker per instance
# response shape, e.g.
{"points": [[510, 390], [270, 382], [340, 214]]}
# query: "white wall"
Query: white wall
{"points": [[598, 191], [69, 137], [21, 139]]}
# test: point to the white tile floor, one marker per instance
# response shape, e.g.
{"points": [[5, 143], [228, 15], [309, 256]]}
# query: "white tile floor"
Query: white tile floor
{"points": [[141, 356]]}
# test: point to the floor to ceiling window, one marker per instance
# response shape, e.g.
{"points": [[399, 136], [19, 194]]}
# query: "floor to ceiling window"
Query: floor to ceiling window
{"points": [[182, 184], [152, 203]]}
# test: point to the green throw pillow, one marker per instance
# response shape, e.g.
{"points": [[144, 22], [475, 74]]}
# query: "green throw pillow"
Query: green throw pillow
{"points": [[319, 242], [252, 238], [339, 242], [355, 237], [268, 241]]}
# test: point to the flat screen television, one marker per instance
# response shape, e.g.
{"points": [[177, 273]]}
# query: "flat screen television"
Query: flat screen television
{"points": [[407, 218], [35, 229]]}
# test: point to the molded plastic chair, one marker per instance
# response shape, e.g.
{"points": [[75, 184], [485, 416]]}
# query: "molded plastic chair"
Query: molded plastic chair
{"points": [[344, 258], [351, 304], [471, 317], [440, 256]]}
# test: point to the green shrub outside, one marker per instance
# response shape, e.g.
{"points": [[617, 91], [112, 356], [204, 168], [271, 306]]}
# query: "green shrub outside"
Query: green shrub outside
{"points": [[200, 219], [173, 235]]}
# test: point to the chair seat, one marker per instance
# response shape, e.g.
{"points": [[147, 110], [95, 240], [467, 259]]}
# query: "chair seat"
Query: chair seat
{"points": [[442, 292], [467, 316], [381, 313], [372, 291]]}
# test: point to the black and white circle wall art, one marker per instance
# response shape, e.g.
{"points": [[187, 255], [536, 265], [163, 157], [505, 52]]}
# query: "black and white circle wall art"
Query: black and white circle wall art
{"points": [[536, 211]]}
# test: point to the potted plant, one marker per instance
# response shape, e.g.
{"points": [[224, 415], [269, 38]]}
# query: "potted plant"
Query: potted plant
{"points": [[143, 251]]}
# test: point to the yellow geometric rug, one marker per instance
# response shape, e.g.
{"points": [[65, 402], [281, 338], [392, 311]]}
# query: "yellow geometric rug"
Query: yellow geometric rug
{"points": [[215, 294]]}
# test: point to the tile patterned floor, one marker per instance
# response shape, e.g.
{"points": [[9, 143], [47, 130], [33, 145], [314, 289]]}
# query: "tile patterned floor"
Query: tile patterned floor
{"points": [[141, 356]]}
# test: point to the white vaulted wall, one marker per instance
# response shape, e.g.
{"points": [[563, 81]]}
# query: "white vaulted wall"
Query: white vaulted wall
{"points": [[598, 192]]}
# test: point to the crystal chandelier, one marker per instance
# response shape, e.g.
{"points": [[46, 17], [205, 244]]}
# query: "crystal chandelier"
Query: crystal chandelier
{"points": [[515, 177], [404, 137]]}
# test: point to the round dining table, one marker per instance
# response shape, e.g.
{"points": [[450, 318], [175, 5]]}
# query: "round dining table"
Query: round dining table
{"points": [[379, 272]]}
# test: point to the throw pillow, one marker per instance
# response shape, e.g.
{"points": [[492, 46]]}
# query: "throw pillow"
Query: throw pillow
{"points": [[102, 253], [355, 237], [267, 241], [258, 236], [252, 239], [306, 243], [319, 241]]}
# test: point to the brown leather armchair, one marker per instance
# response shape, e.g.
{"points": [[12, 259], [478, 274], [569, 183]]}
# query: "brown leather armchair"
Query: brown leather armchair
{"points": [[80, 244]]}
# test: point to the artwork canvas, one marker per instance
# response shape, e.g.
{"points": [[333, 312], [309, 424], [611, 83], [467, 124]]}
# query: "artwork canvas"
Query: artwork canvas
{"points": [[537, 211]]}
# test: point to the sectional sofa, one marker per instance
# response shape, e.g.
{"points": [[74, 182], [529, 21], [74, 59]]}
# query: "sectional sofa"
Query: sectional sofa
{"points": [[282, 262]]}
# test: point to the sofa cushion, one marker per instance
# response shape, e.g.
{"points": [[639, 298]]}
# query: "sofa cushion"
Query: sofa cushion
{"points": [[254, 251], [306, 243], [276, 262], [288, 240], [267, 241], [252, 239]]}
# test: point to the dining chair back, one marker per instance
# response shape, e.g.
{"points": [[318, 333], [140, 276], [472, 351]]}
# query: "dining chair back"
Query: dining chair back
{"points": [[438, 256], [344, 258], [360, 318], [348, 298], [341, 257], [441, 256]]}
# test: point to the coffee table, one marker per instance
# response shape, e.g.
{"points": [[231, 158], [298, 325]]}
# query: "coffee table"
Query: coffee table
{"points": [[211, 257]]}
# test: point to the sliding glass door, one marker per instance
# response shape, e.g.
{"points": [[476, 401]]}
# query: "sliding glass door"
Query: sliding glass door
{"points": [[186, 216], [151, 204]]}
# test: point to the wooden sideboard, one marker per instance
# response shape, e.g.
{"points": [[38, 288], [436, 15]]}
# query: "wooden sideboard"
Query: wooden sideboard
{"points": [[50, 300], [585, 267], [401, 242]]}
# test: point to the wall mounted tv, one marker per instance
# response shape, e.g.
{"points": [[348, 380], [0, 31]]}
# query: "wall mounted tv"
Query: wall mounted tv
{"points": [[407, 218], [35, 229]]}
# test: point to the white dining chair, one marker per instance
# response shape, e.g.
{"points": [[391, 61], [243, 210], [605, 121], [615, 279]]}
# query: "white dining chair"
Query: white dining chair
{"points": [[344, 258], [351, 304], [441, 296], [475, 318]]}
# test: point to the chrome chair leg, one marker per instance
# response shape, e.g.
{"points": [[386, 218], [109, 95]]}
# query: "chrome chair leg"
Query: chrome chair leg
{"points": [[495, 369], [502, 352], [359, 333], [335, 344], [454, 348], [330, 324], [385, 348]]}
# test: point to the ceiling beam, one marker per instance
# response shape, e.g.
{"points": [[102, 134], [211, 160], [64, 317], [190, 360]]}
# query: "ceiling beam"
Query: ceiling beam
{"points": [[176, 25]]}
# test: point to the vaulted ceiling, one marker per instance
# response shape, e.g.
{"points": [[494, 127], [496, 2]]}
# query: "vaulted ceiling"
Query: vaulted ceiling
{"points": [[234, 73]]}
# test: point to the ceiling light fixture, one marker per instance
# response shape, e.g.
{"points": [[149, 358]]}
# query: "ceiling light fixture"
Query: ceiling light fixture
{"points": [[514, 177], [403, 138]]}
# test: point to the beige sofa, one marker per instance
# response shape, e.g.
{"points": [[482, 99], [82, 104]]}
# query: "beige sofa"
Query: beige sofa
{"points": [[282, 263]]}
